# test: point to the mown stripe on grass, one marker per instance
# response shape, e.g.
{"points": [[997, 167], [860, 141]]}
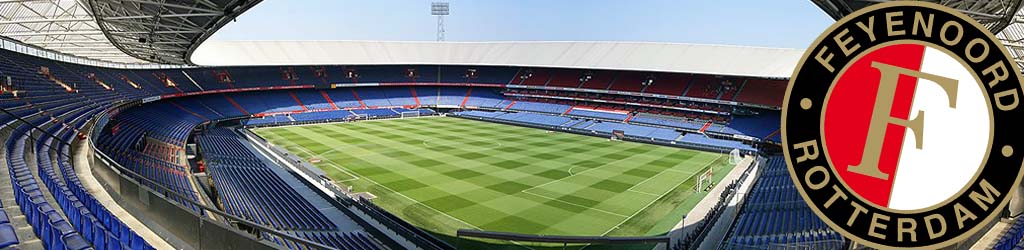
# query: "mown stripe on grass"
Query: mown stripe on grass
{"points": [[455, 171]]}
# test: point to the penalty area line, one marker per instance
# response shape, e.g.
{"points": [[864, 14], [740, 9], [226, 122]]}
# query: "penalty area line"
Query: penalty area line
{"points": [[659, 197]]}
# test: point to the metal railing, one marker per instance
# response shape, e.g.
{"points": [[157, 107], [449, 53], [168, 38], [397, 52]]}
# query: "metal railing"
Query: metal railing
{"points": [[177, 221], [605, 240], [693, 239], [343, 197], [33, 50]]}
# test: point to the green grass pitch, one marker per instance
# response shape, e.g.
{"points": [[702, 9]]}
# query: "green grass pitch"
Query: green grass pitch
{"points": [[443, 174]]}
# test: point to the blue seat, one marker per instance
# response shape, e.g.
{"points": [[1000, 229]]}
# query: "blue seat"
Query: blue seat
{"points": [[58, 229], [125, 235], [39, 217], [75, 242], [99, 237], [113, 243], [84, 226], [139, 244], [8, 236]]}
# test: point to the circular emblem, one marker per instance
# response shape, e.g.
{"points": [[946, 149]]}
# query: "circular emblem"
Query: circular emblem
{"points": [[901, 126]]}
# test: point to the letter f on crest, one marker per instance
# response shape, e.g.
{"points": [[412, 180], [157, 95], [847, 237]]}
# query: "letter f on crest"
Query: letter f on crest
{"points": [[881, 117]]}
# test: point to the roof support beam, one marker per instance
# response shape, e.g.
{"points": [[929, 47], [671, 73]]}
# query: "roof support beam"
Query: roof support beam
{"points": [[162, 15], [159, 31], [163, 4], [66, 33], [46, 20]]}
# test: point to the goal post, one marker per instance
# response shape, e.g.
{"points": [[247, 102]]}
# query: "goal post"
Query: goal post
{"points": [[705, 180], [410, 114], [356, 117], [735, 156], [618, 134]]}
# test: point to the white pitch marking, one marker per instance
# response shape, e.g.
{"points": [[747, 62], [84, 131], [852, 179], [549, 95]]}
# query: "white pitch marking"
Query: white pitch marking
{"points": [[411, 199], [656, 175], [574, 204], [417, 202], [659, 197], [642, 192], [581, 172]]}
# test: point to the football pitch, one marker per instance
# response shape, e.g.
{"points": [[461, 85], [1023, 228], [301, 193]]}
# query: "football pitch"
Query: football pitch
{"points": [[444, 174]]}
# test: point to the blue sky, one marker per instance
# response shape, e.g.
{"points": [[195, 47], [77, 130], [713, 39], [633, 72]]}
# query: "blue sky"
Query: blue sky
{"points": [[785, 24]]}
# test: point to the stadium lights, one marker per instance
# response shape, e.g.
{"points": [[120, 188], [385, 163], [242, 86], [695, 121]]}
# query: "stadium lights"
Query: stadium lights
{"points": [[529, 73], [648, 81], [586, 77], [351, 74], [440, 9], [411, 74]]}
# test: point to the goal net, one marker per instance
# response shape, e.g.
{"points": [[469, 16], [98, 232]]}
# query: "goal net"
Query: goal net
{"points": [[735, 156], [618, 134], [408, 114], [705, 181], [356, 117]]}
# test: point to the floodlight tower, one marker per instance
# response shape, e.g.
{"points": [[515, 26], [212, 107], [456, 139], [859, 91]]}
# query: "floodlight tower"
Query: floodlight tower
{"points": [[439, 9]]}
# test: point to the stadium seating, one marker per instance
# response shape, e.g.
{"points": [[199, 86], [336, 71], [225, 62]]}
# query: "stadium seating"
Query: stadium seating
{"points": [[374, 97], [607, 115], [703, 86], [84, 222], [754, 91], [345, 99], [600, 80], [1011, 238], [668, 121], [628, 103], [81, 209], [485, 98], [150, 138], [218, 104], [451, 96], [459, 74], [535, 118], [606, 128], [669, 84], [273, 203], [343, 240], [537, 77], [400, 96], [760, 125], [540, 107], [565, 78], [277, 119], [233, 168], [775, 215]]}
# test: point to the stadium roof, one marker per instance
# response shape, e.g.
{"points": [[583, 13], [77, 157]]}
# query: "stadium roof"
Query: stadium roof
{"points": [[664, 57], [1002, 17], [122, 31]]}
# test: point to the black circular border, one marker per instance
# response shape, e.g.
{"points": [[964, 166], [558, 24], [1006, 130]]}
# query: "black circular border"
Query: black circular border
{"points": [[812, 81]]}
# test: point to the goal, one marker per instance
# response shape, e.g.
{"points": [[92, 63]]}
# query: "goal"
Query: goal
{"points": [[409, 114], [356, 117], [705, 180], [735, 156]]}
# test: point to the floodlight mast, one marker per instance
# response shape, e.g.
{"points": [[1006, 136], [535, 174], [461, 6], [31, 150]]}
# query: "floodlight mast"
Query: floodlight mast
{"points": [[439, 9]]}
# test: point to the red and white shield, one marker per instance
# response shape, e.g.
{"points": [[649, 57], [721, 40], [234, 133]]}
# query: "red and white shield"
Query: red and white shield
{"points": [[919, 167]]}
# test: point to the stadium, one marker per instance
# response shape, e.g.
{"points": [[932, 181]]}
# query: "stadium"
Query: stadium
{"points": [[124, 128]]}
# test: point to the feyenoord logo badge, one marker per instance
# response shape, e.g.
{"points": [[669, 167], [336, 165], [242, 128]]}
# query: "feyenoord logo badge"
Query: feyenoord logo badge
{"points": [[901, 126]]}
